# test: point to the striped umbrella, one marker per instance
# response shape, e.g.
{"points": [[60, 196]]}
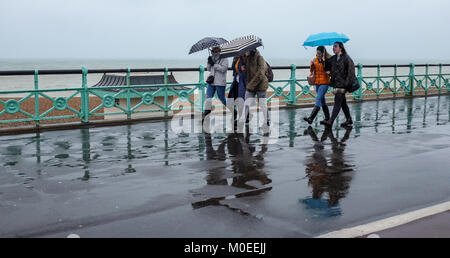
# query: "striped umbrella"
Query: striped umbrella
{"points": [[239, 46], [207, 43]]}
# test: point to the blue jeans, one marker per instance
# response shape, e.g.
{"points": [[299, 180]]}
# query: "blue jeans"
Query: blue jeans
{"points": [[321, 90], [210, 90]]}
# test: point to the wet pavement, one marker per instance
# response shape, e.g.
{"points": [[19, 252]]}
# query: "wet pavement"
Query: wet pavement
{"points": [[145, 180]]}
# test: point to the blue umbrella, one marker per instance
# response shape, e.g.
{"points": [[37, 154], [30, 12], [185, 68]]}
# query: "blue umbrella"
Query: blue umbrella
{"points": [[325, 39]]}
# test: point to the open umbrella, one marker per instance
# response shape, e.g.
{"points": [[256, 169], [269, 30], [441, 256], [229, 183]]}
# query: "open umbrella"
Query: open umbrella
{"points": [[239, 46], [325, 39], [207, 43]]}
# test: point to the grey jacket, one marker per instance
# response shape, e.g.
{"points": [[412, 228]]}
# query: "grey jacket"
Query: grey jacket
{"points": [[219, 71]]}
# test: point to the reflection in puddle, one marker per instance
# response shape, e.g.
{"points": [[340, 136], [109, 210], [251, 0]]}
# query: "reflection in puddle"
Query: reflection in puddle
{"points": [[329, 174], [238, 161], [247, 167]]}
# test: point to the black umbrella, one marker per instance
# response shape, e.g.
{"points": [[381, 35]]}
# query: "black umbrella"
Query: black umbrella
{"points": [[207, 43], [239, 46]]}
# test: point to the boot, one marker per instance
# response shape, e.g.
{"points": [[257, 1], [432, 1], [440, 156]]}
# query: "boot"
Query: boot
{"points": [[205, 114], [327, 123], [347, 123], [313, 115], [235, 120], [326, 113]]}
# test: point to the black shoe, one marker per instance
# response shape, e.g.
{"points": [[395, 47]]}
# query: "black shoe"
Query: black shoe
{"points": [[326, 113], [313, 115], [308, 130], [347, 123], [327, 123]]}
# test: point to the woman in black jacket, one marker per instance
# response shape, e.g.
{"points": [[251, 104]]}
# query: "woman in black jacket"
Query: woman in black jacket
{"points": [[342, 71]]}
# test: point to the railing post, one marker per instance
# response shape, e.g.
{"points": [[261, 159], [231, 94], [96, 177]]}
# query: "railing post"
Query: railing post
{"points": [[292, 94], [359, 95], [411, 79], [426, 80], [85, 97], [395, 80], [128, 95], [440, 77], [201, 81], [36, 98], [378, 80], [166, 91]]}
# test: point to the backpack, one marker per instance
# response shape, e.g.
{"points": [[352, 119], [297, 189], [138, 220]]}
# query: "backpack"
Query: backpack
{"points": [[269, 73]]}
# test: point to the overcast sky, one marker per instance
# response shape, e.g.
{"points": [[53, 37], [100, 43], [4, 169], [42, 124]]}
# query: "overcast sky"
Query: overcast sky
{"points": [[378, 29]]}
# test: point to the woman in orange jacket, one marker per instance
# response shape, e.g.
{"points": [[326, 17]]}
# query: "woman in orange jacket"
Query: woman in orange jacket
{"points": [[322, 82]]}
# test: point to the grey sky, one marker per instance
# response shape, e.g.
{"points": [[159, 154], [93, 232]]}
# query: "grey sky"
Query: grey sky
{"points": [[381, 29]]}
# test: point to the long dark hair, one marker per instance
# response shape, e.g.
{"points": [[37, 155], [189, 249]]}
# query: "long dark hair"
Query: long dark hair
{"points": [[324, 52], [341, 46], [322, 49]]}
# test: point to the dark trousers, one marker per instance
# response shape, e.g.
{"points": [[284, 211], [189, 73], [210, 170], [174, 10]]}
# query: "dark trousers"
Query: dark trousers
{"points": [[340, 101]]}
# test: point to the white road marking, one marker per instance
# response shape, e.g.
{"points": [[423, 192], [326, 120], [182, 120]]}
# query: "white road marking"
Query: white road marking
{"points": [[387, 223]]}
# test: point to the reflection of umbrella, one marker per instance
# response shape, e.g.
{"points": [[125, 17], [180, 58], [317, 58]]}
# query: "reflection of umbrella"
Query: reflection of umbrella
{"points": [[325, 39], [207, 43], [239, 46], [321, 207]]}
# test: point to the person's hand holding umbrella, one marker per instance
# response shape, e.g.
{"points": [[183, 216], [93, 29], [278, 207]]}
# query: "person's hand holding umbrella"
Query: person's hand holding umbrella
{"points": [[210, 61]]}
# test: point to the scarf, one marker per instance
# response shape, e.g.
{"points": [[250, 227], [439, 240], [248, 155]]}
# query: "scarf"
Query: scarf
{"points": [[215, 57]]}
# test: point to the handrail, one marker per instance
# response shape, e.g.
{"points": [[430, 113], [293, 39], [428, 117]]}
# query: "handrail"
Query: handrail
{"points": [[175, 69], [87, 103]]}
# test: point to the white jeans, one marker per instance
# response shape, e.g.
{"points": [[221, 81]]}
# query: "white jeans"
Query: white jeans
{"points": [[239, 102], [250, 101]]}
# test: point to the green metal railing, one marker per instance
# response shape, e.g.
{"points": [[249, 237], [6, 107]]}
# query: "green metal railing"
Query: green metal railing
{"points": [[289, 91]]}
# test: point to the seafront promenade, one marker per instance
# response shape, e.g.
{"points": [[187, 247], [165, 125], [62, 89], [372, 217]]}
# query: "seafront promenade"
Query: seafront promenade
{"points": [[145, 180]]}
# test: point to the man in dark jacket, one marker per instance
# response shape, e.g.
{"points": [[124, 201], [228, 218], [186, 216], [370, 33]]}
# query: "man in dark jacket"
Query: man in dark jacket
{"points": [[342, 71]]}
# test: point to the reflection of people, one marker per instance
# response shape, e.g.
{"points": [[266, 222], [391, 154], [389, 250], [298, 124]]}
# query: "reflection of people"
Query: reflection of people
{"points": [[246, 167], [340, 173], [333, 176], [215, 175], [244, 163], [316, 165]]}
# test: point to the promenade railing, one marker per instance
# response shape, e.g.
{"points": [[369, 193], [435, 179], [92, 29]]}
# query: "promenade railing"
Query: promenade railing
{"points": [[284, 91]]}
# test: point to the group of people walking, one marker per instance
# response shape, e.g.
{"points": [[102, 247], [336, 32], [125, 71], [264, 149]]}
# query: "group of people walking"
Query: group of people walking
{"points": [[250, 81], [337, 71]]}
